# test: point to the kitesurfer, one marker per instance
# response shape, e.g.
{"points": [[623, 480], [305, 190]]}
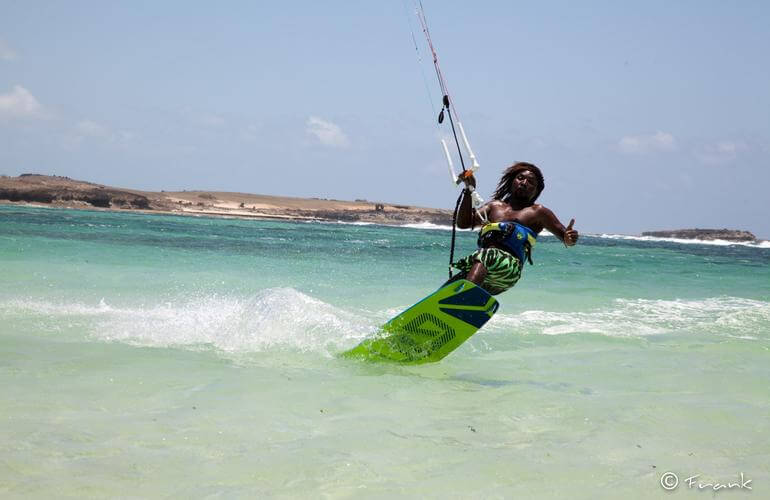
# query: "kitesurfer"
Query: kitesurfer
{"points": [[510, 224]]}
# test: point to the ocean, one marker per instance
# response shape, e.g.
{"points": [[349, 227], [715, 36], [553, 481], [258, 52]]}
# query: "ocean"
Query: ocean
{"points": [[146, 356]]}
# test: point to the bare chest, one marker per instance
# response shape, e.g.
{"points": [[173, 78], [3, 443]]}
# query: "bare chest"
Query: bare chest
{"points": [[527, 216]]}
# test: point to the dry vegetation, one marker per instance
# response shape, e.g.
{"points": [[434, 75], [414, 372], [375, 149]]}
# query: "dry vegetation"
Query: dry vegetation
{"points": [[66, 192]]}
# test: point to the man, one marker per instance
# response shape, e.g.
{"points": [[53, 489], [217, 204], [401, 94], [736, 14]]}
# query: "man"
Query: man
{"points": [[510, 225]]}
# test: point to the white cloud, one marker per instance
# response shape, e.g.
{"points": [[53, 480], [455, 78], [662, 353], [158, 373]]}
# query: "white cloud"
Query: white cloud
{"points": [[327, 133], [6, 52], [720, 152], [641, 144], [88, 128], [19, 103]]}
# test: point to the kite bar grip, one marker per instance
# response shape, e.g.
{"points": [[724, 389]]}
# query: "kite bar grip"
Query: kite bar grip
{"points": [[474, 163], [452, 173], [476, 198]]}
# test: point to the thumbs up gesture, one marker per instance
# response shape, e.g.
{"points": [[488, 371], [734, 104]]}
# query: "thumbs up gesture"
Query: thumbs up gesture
{"points": [[570, 235]]}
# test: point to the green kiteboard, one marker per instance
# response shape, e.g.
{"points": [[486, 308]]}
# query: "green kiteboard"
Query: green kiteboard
{"points": [[432, 328]]}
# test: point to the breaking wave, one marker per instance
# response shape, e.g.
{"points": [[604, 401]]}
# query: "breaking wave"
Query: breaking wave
{"points": [[723, 316], [273, 319], [721, 243], [284, 319]]}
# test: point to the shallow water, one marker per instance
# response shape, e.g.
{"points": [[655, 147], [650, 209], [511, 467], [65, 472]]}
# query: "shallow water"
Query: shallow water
{"points": [[148, 355]]}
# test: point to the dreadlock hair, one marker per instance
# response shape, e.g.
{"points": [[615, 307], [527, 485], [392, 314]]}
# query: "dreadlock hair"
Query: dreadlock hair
{"points": [[503, 191]]}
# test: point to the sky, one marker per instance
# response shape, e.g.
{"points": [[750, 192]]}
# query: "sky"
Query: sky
{"points": [[642, 115]]}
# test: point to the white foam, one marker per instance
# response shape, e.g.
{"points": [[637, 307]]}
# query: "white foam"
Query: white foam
{"points": [[276, 318], [758, 244], [428, 225], [416, 225], [285, 319], [729, 316], [354, 223]]}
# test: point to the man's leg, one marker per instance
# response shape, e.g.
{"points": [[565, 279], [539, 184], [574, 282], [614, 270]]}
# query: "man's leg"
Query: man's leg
{"points": [[477, 273]]}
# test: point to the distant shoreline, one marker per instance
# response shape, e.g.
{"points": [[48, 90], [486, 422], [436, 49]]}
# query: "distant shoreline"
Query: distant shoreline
{"points": [[63, 192], [704, 234]]}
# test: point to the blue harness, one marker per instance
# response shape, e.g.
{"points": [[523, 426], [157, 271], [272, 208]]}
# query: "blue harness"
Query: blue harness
{"points": [[512, 236]]}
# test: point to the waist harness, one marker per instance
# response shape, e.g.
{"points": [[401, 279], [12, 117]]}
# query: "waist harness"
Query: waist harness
{"points": [[511, 236]]}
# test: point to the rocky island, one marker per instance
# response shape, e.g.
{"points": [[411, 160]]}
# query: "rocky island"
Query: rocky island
{"points": [[69, 193], [704, 234]]}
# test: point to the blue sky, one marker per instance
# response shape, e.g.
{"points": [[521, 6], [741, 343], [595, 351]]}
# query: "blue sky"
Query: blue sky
{"points": [[646, 115]]}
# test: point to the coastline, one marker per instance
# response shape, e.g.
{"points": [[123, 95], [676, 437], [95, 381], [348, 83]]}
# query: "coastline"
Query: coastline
{"points": [[704, 234], [62, 192]]}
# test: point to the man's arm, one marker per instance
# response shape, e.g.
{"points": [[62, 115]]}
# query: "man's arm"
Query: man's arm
{"points": [[466, 216], [566, 234]]}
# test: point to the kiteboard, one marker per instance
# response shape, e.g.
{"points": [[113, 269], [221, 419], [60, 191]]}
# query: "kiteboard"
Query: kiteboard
{"points": [[432, 328]]}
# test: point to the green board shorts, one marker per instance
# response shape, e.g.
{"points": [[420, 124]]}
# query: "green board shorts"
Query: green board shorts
{"points": [[503, 268]]}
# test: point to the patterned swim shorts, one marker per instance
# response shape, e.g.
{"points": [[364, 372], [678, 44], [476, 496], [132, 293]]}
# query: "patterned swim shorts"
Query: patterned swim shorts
{"points": [[503, 269]]}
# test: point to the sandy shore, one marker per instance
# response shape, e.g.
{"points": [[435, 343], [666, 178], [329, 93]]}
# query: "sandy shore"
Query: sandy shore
{"points": [[69, 193]]}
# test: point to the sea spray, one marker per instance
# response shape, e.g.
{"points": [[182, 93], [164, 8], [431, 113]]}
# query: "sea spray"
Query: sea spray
{"points": [[272, 319]]}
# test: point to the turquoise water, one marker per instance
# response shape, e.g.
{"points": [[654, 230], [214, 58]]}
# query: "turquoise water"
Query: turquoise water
{"points": [[149, 356]]}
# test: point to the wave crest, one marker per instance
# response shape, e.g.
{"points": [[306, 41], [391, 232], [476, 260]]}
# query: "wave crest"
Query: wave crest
{"points": [[273, 319], [720, 243], [724, 316], [284, 319]]}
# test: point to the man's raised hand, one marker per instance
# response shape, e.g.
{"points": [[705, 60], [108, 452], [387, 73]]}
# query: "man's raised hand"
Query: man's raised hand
{"points": [[570, 235]]}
